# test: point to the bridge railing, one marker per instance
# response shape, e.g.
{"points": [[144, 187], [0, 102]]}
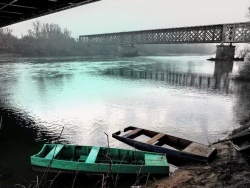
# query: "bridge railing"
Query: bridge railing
{"points": [[236, 32]]}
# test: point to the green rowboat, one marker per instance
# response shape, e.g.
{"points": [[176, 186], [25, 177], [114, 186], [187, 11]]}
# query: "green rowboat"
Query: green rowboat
{"points": [[94, 159]]}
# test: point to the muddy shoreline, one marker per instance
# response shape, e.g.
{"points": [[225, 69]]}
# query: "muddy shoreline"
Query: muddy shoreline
{"points": [[229, 169]]}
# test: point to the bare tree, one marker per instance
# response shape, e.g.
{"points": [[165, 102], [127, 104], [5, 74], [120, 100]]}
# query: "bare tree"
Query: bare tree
{"points": [[36, 29], [248, 13], [5, 34]]}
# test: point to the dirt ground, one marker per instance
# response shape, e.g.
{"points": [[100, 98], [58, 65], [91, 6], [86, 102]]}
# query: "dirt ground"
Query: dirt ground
{"points": [[229, 169]]}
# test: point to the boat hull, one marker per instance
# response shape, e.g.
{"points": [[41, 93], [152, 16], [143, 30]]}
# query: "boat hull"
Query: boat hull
{"points": [[180, 152], [241, 141], [101, 160]]}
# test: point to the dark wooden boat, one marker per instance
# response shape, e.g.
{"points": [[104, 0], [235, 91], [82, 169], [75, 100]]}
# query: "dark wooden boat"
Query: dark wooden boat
{"points": [[163, 143], [241, 141], [94, 159]]}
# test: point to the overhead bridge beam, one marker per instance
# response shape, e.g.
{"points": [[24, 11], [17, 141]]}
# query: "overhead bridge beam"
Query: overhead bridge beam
{"points": [[228, 33], [14, 11]]}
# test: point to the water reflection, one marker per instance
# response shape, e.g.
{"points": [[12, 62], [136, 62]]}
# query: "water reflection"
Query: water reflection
{"points": [[223, 68], [221, 73], [80, 97], [219, 81]]}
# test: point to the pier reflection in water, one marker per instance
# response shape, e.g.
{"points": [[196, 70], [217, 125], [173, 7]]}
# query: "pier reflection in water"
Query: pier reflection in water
{"points": [[219, 81]]}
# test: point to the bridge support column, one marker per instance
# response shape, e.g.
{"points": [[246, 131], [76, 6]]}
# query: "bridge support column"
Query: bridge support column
{"points": [[224, 52], [128, 51]]}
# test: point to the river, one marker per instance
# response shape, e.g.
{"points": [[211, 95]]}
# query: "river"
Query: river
{"points": [[186, 96]]}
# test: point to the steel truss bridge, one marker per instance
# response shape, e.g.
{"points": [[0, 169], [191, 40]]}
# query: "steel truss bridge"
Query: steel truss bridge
{"points": [[221, 33]]}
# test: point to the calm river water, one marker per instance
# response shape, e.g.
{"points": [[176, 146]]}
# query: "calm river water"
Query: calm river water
{"points": [[186, 96]]}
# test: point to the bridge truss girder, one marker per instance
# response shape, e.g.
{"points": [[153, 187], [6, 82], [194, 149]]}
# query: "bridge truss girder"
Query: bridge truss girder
{"points": [[228, 33]]}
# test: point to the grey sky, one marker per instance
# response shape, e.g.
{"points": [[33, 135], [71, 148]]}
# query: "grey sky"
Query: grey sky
{"points": [[108, 16]]}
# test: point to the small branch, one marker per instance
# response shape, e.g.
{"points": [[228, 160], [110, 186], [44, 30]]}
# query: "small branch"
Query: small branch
{"points": [[19, 185], [37, 182], [156, 181], [100, 180], [107, 141], [109, 158], [147, 180], [54, 178], [138, 175], [117, 177], [75, 175], [1, 120]]}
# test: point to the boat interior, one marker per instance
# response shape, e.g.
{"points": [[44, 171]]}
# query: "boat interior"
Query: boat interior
{"points": [[136, 135], [91, 154], [156, 138]]}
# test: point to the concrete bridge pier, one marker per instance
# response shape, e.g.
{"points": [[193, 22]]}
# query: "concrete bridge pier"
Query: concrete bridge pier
{"points": [[225, 52], [127, 51]]}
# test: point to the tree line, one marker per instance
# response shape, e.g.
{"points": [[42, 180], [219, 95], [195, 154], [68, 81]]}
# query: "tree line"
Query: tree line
{"points": [[43, 39]]}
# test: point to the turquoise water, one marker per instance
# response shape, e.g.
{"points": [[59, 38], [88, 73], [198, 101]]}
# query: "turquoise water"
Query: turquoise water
{"points": [[186, 96]]}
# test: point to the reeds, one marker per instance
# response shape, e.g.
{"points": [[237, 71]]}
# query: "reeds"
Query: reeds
{"points": [[1, 123]]}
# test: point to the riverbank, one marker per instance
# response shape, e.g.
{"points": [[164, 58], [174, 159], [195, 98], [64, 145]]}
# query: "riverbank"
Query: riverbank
{"points": [[229, 169]]}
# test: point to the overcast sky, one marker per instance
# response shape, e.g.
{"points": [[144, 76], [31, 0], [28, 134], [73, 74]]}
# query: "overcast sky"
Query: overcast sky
{"points": [[108, 16]]}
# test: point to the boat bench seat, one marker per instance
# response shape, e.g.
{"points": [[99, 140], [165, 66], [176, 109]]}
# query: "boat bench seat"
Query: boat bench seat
{"points": [[92, 155], [155, 138], [83, 158], [52, 154], [132, 133]]}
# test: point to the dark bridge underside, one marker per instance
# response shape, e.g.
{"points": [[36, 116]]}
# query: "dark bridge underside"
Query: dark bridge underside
{"points": [[13, 11]]}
